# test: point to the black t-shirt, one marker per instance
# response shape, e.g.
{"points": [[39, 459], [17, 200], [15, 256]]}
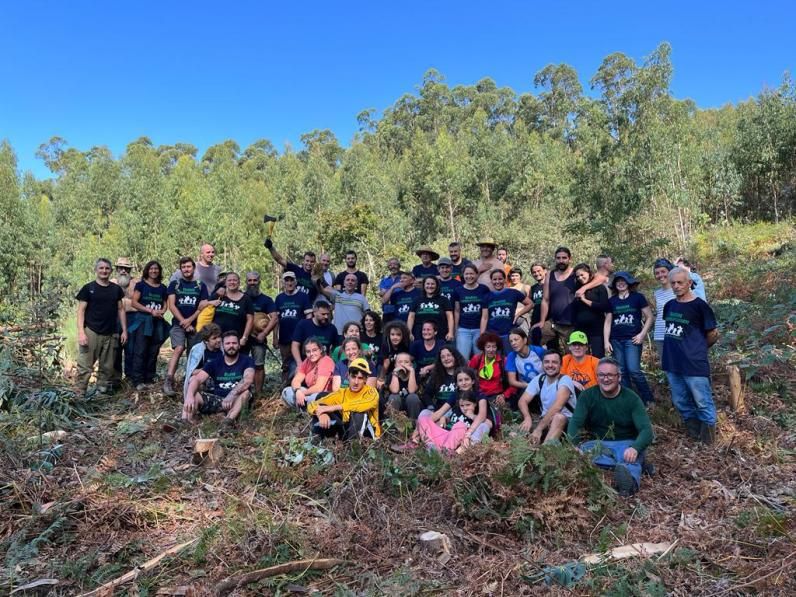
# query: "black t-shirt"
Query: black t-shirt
{"points": [[102, 306], [537, 293], [362, 278], [303, 280], [431, 309], [224, 376], [231, 315]]}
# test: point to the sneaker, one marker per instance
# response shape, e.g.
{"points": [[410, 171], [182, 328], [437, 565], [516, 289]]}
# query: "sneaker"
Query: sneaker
{"points": [[693, 428], [168, 388], [648, 469], [624, 483], [140, 387], [707, 433]]}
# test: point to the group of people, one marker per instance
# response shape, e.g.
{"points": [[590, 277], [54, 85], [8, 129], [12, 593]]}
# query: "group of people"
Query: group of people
{"points": [[455, 346]]}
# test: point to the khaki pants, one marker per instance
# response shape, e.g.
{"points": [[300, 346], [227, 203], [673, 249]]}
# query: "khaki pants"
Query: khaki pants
{"points": [[556, 331], [101, 350]]}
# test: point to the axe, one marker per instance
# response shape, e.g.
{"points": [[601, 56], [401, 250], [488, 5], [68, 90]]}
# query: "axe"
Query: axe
{"points": [[270, 220]]}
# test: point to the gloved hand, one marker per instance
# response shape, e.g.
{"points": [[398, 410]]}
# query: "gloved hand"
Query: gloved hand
{"points": [[268, 243]]}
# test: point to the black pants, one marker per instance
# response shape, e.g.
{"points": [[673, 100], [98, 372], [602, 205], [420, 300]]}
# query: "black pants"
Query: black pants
{"points": [[145, 357], [597, 346], [345, 431]]}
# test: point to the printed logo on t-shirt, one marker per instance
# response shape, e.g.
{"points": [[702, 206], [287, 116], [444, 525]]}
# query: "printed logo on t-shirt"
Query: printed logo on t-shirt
{"points": [[228, 380], [625, 319], [405, 308], [501, 312], [536, 296], [228, 307], [289, 313]]}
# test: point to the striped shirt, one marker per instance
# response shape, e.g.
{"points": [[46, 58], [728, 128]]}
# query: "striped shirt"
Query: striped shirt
{"points": [[662, 296]]}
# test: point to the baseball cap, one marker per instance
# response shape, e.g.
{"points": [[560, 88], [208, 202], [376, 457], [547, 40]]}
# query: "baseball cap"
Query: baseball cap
{"points": [[359, 364], [288, 275], [444, 261], [578, 338]]}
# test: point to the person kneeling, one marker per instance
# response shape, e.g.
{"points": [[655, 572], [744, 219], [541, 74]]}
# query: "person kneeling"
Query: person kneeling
{"points": [[232, 377], [348, 412], [612, 410]]}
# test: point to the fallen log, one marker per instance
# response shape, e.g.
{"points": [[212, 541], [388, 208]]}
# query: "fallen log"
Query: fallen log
{"points": [[108, 587], [233, 582], [642, 550]]}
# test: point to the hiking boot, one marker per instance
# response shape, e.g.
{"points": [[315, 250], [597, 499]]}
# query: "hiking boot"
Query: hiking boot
{"points": [[693, 428], [624, 483], [648, 469], [707, 434], [168, 387], [140, 387]]}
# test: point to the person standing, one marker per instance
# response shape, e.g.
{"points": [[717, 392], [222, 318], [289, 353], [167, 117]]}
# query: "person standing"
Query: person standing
{"points": [[402, 295], [487, 262], [186, 298], [555, 320], [100, 309], [502, 309], [351, 268], [265, 320], [626, 327], [448, 285], [589, 309], [318, 328], [690, 331], [149, 299], [291, 307], [234, 310], [697, 283], [661, 296], [458, 261], [349, 304], [326, 261], [205, 270], [468, 306], [503, 256], [302, 272], [538, 273], [426, 267], [432, 306], [124, 353], [385, 284]]}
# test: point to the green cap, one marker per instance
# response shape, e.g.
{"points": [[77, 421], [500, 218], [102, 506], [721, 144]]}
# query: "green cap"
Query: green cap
{"points": [[578, 338]]}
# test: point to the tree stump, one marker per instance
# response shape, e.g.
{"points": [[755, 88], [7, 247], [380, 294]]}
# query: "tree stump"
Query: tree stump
{"points": [[205, 450], [437, 544], [736, 389]]}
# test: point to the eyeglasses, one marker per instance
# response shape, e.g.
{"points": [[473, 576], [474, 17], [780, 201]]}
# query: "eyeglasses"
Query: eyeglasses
{"points": [[607, 375]]}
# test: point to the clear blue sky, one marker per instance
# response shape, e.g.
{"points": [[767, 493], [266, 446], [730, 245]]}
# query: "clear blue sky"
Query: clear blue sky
{"points": [[106, 72]]}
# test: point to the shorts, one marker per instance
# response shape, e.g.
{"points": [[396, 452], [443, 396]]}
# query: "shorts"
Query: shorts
{"points": [[257, 352], [211, 404], [179, 337]]}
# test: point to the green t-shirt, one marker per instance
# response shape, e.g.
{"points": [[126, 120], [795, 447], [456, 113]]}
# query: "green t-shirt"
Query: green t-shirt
{"points": [[622, 417]]}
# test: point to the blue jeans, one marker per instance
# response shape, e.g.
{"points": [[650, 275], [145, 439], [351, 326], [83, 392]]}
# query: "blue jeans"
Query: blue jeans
{"points": [[608, 453], [693, 397], [629, 357], [465, 342]]}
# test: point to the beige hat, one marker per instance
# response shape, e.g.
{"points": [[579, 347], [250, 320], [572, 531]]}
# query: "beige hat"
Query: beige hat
{"points": [[124, 262], [487, 242], [429, 250]]}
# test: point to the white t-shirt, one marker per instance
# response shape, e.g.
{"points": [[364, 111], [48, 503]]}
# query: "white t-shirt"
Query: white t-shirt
{"points": [[547, 393]]}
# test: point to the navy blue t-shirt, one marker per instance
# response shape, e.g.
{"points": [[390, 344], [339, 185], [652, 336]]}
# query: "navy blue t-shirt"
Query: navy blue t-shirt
{"points": [[262, 303], [420, 271], [303, 280], [471, 302], [152, 297], [685, 345], [187, 296], [626, 319], [421, 355], [225, 377], [326, 335], [501, 307], [292, 308], [457, 269], [403, 300], [448, 288]]}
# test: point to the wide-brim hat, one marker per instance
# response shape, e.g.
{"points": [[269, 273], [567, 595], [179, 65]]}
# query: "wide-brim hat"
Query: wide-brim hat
{"points": [[124, 262], [429, 250], [626, 276], [488, 242]]}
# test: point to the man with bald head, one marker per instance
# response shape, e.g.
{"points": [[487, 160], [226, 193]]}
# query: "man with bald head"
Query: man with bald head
{"points": [[206, 271]]}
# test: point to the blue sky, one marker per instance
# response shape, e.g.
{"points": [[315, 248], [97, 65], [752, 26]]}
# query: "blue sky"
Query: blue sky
{"points": [[105, 73]]}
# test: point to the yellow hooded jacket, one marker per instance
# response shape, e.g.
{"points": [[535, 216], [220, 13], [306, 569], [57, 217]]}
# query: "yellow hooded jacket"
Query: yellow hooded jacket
{"points": [[364, 401]]}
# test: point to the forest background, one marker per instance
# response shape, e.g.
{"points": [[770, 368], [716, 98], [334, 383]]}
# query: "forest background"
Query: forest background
{"points": [[626, 169]]}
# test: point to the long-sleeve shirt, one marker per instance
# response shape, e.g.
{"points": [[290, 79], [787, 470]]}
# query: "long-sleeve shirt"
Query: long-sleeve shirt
{"points": [[622, 417], [364, 401]]}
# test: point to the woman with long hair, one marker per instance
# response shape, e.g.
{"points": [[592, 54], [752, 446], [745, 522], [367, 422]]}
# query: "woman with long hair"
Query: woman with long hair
{"points": [[468, 304], [432, 306], [588, 311], [149, 299]]}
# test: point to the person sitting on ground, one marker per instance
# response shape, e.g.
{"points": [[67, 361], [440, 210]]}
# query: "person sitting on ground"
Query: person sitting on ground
{"points": [[313, 376], [352, 350], [556, 393], [501, 309], [265, 320], [426, 267], [440, 386], [396, 341], [589, 309], [204, 351], [424, 350], [150, 329], [291, 307], [232, 376], [302, 272], [349, 412], [349, 304], [524, 361], [361, 283], [371, 337], [352, 329], [626, 327], [490, 365], [401, 296], [431, 306], [186, 299], [690, 332], [317, 327], [403, 388], [578, 364], [446, 429], [662, 295], [468, 306], [615, 416]]}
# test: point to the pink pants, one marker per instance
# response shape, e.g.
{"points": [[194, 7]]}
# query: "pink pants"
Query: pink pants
{"points": [[439, 438]]}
